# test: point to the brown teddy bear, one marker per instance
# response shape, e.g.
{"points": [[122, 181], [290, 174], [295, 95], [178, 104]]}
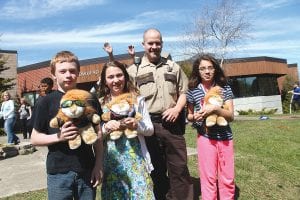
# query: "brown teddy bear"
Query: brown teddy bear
{"points": [[214, 97], [75, 107], [120, 108]]}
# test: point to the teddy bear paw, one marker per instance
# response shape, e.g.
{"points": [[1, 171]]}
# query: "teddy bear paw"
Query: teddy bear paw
{"points": [[74, 144], [211, 120], [221, 121], [130, 133], [115, 135], [54, 123], [96, 119]]}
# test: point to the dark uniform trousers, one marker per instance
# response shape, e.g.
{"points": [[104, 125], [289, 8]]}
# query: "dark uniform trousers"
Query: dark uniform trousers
{"points": [[168, 153]]}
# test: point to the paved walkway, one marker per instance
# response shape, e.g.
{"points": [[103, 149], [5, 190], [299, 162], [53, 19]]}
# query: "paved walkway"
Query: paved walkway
{"points": [[23, 173]]}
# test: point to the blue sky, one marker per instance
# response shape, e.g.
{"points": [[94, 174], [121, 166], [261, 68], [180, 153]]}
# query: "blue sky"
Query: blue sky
{"points": [[37, 29]]}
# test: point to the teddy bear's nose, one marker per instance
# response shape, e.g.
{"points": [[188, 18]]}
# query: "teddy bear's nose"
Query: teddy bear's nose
{"points": [[73, 108]]}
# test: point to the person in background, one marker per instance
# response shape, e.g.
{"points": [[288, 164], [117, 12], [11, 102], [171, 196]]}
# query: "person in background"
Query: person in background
{"points": [[214, 144], [296, 96], [9, 116], [127, 163], [96, 86], [163, 84], [71, 174], [46, 85], [25, 115], [109, 50]]}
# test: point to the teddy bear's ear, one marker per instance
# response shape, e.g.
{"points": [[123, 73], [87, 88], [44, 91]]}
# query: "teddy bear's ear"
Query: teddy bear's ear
{"points": [[216, 90]]}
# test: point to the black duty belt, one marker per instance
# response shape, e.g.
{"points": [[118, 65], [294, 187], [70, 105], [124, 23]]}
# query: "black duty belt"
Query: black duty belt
{"points": [[156, 117]]}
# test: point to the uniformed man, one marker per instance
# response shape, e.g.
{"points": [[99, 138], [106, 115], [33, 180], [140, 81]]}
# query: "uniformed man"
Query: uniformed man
{"points": [[164, 84]]}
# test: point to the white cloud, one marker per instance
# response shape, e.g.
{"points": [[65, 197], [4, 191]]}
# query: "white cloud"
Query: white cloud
{"points": [[273, 4], [169, 15], [272, 22], [286, 49], [281, 45], [115, 32], [31, 9], [276, 28]]}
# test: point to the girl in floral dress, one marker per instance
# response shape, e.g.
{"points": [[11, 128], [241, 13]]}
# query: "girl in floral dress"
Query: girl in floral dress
{"points": [[127, 163]]}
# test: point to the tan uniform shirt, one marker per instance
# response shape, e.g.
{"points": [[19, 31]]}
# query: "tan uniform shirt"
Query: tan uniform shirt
{"points": [[160, 84]]}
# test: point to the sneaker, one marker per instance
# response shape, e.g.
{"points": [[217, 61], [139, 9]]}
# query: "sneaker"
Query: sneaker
{"points": [[17, 142]]}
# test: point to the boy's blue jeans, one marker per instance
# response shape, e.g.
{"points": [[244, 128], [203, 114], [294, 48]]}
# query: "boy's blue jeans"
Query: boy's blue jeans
{"points": [[70, 185]]}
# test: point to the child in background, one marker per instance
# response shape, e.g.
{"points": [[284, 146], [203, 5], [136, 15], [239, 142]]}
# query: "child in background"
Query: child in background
{"points": [[25, 115]]}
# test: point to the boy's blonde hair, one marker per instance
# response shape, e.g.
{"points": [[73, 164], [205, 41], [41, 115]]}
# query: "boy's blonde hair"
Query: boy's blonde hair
{"points": [[63, 56]]}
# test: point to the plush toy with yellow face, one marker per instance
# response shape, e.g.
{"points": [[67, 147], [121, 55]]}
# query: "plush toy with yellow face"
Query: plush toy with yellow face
{"points": [[118, 109], [214, 97], [75, 107]]}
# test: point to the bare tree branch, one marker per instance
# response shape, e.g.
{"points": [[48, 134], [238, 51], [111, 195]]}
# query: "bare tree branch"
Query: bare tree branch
{"points": [[217, 28]]}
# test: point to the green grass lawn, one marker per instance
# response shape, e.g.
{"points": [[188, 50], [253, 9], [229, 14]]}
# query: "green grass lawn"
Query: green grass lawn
{"points": [[267, 160]]}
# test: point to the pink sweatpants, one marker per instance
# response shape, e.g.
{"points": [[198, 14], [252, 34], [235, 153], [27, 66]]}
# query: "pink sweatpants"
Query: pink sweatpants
{"points": [[216, 165]]}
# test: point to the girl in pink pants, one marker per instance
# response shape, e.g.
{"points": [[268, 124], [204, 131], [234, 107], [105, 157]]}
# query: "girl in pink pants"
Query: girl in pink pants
{"points": [[214, 144]]}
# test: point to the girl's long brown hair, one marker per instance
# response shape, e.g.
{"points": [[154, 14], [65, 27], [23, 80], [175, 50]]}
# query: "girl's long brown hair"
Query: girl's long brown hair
{"points": [[129, 86], [219, 76]]}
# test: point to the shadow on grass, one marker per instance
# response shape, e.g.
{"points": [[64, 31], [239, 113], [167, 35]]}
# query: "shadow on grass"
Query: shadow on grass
{"points": [[237, 192], [196, 186], [197, 191]]}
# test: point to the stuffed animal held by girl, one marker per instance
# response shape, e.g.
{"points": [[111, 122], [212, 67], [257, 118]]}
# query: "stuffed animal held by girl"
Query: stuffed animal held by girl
{"points": [[118, 109], [214, 97], [75, 107]]}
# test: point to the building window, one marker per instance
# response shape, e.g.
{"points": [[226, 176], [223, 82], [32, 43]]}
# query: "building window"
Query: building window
{"points": [[261, 85], [30, 97]]}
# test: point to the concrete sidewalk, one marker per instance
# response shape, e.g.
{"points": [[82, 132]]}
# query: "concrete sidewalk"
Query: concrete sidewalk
{"points": [[23, 173]]}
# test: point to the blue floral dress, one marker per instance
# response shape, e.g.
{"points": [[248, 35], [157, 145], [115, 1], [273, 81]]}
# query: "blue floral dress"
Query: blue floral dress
{"points": [[125, 174]]}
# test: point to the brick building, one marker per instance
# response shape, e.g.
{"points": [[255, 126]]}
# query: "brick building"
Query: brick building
{"points": [[255, 81], [29, 76]]}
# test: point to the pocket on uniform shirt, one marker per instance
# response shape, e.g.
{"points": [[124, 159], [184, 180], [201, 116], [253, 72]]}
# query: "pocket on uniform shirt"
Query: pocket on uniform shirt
{"points": [[171, 81], [146, 84]]}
